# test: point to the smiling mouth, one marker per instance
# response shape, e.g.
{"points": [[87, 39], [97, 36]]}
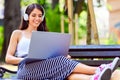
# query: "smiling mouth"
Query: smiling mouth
{"points": [[36, 22]]}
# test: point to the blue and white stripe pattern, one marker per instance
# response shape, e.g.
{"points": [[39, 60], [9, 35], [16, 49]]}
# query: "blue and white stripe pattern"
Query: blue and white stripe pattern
{"points": [[57, 68]]}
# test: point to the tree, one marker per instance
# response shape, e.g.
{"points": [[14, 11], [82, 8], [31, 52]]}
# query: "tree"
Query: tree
{"points": [[12, 19], [78, 6], [88, 40], [54, 3], [91, 17]]}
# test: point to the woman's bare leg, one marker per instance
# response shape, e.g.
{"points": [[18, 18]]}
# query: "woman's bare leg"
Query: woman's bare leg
{"points": [[115, 76], [79, 77], [84, 69]]}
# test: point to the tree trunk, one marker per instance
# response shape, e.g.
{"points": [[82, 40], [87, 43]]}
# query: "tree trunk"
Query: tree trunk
{"points": [[54, 3], [70, 17], [93, 22], [78, 6], [12, 19], [88, 41]]}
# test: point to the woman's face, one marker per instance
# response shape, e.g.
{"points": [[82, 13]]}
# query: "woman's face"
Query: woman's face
{"points": [[35, 18]]}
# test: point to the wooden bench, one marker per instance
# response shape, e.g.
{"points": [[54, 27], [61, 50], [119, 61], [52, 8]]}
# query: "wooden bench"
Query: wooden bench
{"points": [[7, 68], [87, 55], [104, 53]]}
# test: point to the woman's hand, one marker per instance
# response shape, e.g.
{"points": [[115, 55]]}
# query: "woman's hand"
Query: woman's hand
{"points": [[68, 56]]}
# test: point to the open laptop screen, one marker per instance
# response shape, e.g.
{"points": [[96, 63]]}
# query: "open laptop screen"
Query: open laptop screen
{"points": [[44, 45]]}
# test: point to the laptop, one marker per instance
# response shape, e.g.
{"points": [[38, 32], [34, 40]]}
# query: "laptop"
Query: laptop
{"points": [[45, 45]]}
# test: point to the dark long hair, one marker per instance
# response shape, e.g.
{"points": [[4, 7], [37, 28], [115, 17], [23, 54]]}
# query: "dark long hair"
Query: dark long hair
{"points": [[29, 9]]}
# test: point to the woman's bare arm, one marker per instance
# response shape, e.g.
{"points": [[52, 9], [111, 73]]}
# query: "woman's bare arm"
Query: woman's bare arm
{"points": [[10, 58]]}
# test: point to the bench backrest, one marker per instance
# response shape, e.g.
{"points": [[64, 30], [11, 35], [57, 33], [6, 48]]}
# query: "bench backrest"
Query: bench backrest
{"points": [[95, 51]]}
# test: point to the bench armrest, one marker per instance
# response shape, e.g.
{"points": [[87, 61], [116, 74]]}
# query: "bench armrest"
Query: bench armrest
{"points": [[3, 70]]}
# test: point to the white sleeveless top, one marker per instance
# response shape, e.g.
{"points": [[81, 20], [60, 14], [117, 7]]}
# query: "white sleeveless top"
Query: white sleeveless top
{"points": [[22, 47]]}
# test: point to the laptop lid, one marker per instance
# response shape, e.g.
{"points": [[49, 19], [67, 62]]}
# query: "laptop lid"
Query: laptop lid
{"points": [[44, 45]]}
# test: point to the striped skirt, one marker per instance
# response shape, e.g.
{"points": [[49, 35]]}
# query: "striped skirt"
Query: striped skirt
{"points": [[58, 68]]}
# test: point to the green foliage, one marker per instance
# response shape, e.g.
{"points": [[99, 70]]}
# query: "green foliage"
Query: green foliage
{"points": [[1, 38], [27, 2], [66, 24], [110, 41], [53, 19], [41, 1], [82, 23]]}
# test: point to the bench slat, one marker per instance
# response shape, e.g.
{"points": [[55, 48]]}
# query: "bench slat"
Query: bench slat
{"points": [[94, 51], [94, 54], [94, 62]]}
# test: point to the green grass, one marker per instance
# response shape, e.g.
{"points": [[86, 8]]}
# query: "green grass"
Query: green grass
{"points": [[9, 76]]}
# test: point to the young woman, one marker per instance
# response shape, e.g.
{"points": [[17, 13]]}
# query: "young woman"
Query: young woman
{"points": [[57, 68]]}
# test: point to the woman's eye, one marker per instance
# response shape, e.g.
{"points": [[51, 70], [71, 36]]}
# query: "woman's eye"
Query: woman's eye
{"points": [[33, 15], [40, 16]]}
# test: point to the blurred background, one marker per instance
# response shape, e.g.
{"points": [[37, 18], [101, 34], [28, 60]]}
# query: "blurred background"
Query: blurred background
{"points": [[66, 16]]}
